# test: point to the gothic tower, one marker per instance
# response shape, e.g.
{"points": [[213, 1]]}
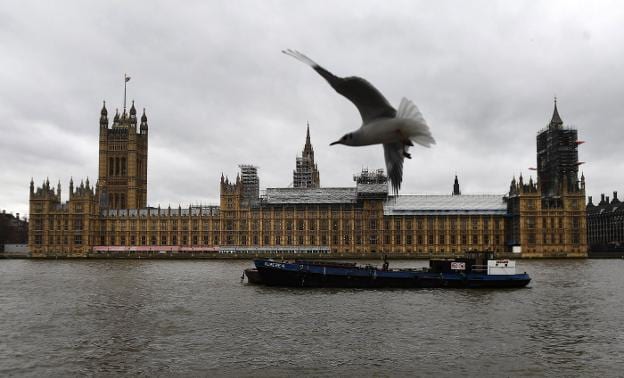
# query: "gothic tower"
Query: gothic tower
{"points": [[123, 160], [557, 159], [306, 174]]}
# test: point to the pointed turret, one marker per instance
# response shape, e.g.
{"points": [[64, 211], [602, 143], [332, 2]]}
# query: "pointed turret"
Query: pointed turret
{"points": [[133, 119], [71, 187], [556, 121], [116, 118], [143, 123], [456, 190], [32, 186], [104, 116], [58, 189]]}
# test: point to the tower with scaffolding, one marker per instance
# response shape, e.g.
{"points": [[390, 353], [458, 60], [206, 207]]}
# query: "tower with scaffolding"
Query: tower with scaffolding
{"points": [[306, 174], [251, 183], [557, 160]]}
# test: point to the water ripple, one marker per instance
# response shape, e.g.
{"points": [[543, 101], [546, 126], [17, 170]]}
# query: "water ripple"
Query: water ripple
{"points": [[196, 318]]}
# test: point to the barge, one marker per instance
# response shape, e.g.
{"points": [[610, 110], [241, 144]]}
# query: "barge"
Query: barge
{"points": [[473, 271]]}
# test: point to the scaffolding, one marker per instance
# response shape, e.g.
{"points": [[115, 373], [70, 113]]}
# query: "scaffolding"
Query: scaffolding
{"points": [[251, 183]]}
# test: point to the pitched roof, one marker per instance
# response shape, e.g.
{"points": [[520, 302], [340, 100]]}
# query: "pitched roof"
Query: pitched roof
{"points": [[445, 204]]}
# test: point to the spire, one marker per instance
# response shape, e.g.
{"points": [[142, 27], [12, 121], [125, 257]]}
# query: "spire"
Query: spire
{"points": [[143, 122], [104, 116], [58, 189], [116, 118], [307, 149], [32, 186], [133, 119], [456, 190], [556, 121]]}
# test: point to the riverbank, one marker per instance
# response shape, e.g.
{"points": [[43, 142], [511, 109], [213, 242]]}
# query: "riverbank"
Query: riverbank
{"points": [[248, 256]]}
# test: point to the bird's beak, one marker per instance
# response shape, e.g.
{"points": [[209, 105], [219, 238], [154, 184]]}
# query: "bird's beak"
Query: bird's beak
{"points": [[336, 142]]}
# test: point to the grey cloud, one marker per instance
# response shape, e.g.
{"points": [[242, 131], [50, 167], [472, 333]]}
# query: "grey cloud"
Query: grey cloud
{"points": [[218, 92]]}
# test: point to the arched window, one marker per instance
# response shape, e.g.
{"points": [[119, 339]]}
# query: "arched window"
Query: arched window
{"points": [[111, 166], [117, 166], [123, 166]]}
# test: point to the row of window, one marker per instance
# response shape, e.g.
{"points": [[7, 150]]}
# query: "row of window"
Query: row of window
{"points": [[310, 225], [324, 239]]}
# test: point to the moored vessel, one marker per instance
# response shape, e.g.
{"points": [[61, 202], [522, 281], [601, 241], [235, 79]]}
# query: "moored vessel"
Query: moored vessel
{"points": [[476, 270]]}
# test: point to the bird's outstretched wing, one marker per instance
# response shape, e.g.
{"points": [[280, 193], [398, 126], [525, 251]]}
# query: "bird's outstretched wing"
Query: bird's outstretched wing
{"points": [[394, 155], [367, 99]]}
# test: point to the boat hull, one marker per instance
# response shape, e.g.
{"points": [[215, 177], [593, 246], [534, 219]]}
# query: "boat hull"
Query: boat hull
{"points": [[302, 275]]}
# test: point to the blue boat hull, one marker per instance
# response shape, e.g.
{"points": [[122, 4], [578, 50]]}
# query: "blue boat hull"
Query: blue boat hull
{"points": [[273, 273]]}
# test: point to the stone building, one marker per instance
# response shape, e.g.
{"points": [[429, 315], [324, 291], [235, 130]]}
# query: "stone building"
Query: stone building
{"points": [[605, 224], [123, 160], [13, 229], [359, 220], [547, 217]]}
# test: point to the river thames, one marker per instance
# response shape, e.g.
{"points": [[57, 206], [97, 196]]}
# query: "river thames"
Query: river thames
{"points": [[140, 317]]}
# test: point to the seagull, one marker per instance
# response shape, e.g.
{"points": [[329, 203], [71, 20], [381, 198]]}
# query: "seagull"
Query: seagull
{"points": [[396, 130]]}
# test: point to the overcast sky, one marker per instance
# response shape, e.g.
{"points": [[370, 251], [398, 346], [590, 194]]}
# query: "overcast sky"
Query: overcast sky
{"points": [[218, 92]]}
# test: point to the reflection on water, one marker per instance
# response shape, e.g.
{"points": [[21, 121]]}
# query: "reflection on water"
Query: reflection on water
{"points": [[195, 317]]}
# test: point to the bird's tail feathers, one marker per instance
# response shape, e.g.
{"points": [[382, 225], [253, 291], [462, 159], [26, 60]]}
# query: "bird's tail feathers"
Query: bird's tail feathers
{"points": [[418, 130], [300, 57]]}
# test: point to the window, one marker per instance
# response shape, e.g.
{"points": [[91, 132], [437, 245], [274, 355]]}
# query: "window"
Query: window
{"points": [[373, 239]]}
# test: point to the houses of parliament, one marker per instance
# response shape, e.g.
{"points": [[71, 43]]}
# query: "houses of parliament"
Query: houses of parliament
{"points": [[542, 218]]}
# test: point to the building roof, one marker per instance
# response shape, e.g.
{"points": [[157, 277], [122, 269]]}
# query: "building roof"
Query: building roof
{"points": [[445, 204], [278, 196]]}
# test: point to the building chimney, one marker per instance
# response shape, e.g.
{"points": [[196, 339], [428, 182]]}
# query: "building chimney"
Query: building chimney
{"points": [[590, 200], [607, 200], [615, 195], [602, 198], [17, 216]]}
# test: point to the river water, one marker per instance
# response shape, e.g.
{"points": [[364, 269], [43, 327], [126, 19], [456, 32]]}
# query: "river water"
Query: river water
{"points": [[114, 317]]}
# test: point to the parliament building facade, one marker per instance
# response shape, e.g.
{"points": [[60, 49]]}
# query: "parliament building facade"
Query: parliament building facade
{"points": [[545, 218]]}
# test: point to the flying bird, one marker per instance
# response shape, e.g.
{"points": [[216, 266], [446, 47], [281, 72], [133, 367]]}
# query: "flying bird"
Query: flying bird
{"points": [[396, 130]]}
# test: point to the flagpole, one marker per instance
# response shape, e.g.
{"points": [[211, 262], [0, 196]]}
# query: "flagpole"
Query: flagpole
{"points": [[125, 85]]}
